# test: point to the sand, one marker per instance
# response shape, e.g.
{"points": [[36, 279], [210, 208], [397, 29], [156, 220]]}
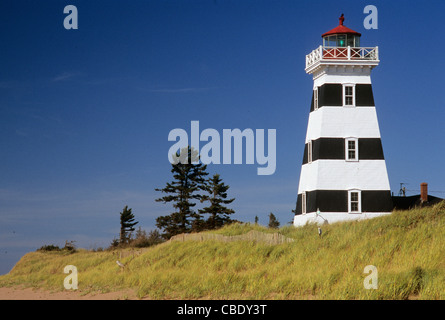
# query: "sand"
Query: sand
{"points": [[19, 293]]}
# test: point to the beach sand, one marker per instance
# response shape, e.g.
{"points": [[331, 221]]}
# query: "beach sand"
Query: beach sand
{"points": [[20, 293]]}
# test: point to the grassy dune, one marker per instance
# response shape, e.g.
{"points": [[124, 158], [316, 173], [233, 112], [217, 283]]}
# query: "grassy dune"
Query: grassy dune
{"points": [[407, 247]]}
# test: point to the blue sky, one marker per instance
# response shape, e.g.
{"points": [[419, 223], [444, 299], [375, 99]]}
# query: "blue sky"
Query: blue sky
{"points": [[85, 114]]}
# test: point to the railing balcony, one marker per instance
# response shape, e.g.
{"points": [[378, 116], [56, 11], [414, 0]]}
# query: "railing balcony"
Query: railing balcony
{"points": [[329, 54]]}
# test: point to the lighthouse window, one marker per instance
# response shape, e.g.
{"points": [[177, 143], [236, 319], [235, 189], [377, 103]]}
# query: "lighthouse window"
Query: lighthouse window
{"points": [[351, 145], [303, 202], [341, 39], [316, 98], [354, 205], [348, 95], [351, 149], [309, 151]]}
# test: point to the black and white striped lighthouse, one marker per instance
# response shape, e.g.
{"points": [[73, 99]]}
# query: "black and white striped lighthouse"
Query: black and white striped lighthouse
{"points": [[343, 175]]}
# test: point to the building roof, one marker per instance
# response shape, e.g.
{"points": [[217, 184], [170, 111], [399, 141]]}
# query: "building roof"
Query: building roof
{"points": [[341, 29], [405, 203]]}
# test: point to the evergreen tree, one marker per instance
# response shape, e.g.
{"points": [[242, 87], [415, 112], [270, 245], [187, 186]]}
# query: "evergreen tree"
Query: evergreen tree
{"points": [[273, 222], [127, 225], [295, 210], [256, 219], [188, 181], [217, 196]]}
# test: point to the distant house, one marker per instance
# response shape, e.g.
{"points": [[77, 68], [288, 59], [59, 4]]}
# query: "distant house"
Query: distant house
{"points": [[420, 200]]}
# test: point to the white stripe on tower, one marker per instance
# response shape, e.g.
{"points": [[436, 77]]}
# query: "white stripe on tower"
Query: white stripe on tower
{"points": [[338, 175], [342, 122]]}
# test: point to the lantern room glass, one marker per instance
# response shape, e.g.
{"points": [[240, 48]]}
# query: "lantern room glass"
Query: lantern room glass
{"points": [[341, 40]]}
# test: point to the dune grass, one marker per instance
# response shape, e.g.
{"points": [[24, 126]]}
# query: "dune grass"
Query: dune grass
{"points": [[406, 247]]}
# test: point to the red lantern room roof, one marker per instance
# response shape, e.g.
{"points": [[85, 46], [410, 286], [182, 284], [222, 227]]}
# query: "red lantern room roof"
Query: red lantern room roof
{"points": [[341, 29]]}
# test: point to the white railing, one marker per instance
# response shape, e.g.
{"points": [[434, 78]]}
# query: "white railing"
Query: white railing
{"points": [[342, 53]]}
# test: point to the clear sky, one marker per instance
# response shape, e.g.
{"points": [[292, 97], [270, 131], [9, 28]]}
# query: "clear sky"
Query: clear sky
{"points": [[85, 114]]}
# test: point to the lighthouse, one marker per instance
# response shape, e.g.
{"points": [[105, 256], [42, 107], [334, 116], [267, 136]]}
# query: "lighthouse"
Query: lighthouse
{"points": [[343, 173]]}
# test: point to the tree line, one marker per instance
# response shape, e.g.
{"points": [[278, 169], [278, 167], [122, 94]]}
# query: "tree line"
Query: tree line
{"points": [[189, 186]]}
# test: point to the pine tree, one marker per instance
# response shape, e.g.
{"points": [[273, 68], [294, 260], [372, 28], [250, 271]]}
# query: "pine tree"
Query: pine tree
{"points": [[273, 222], [127, 225], [188, 181], [295, 210], [217, 196]]}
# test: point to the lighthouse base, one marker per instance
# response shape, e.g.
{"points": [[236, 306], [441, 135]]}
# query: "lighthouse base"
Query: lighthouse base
{"points": [[332, 217]]}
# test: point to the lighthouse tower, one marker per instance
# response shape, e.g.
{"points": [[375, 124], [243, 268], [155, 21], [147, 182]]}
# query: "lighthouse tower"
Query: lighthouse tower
{"points": [[343, 174]]}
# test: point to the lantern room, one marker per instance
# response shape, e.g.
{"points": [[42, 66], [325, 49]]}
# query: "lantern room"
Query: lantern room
{"points": [[341, 36]]}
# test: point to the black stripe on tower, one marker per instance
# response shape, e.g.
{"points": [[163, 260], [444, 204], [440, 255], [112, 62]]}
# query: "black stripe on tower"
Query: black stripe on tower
{"points": [[331, 94], [334, 149], [337, 201], [363, 95]]}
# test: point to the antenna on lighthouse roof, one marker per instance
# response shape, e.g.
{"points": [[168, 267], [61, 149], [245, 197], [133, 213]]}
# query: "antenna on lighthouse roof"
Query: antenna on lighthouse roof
{"points": [[402, 191]]}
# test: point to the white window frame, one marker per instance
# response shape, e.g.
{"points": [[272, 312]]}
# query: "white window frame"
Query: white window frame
{"points": [[309, 151], [316, 98], [349, 85], [359, 201], [347, 158], [303, 203]]}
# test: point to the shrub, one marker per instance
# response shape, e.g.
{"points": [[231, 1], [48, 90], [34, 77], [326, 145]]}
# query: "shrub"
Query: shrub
{"points": [[49, 247], [69, 246], [143, 240]]}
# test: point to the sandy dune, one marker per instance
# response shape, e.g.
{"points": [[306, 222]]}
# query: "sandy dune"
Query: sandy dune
{"points": [[18, 293]]}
